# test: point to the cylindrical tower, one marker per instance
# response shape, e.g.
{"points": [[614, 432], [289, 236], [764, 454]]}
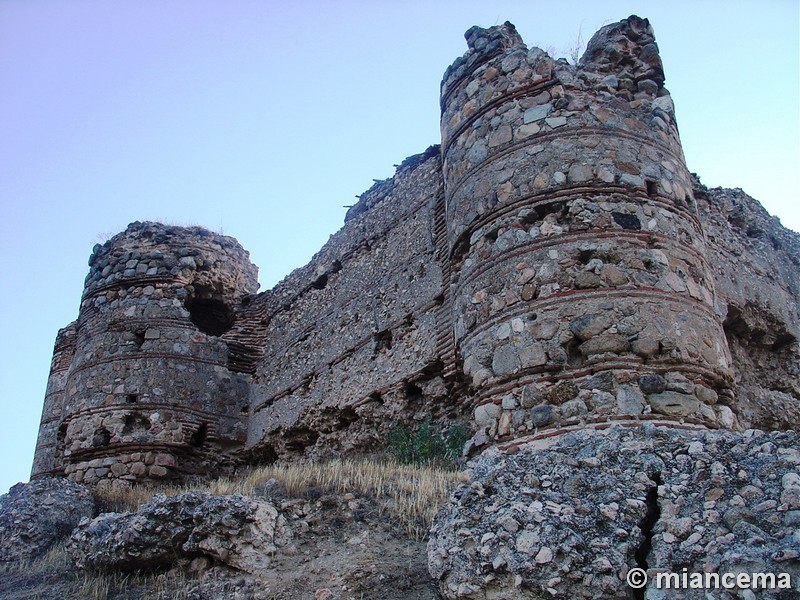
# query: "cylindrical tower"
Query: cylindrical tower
{"points": [[581, 288], [48, 458], [149, 393]]}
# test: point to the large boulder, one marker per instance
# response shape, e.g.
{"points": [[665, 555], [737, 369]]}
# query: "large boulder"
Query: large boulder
{"points": [[244, 533], [36, 515], [569, 517]]}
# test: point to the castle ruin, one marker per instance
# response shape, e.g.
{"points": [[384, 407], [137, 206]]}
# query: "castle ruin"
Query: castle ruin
{"points": [[551, 266]]}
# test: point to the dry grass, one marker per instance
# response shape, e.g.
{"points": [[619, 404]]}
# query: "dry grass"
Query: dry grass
{"points": [[55, 559], [410, 494], [163, 586], [56, 564]]}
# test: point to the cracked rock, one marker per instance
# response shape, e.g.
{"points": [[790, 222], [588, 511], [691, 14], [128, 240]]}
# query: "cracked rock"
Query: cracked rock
{"points": [[244, 533], [589, 506]]}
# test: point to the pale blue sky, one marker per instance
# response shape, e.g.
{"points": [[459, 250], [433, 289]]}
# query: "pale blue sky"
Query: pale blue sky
{"points": [[263, 119]]}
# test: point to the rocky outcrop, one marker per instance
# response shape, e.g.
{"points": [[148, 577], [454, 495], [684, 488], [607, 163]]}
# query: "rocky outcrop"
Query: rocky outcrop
{"points": [[36, 515], [570, 517], [244, 533]]}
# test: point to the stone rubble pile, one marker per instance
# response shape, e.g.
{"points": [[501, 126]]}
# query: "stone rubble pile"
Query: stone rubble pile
{"points": [[36, 515], [569, 517]]}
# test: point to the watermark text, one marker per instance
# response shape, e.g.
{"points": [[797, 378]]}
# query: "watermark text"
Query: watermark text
{"points": [[687, 580]]}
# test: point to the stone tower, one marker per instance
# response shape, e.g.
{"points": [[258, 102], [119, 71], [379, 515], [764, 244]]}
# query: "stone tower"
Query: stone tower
{"points": [[142, 386], [46, 460], [581, 288]]}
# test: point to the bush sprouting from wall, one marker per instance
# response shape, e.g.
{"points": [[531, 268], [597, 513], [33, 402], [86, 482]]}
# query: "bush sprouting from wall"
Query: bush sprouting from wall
{"points": [[427, 444]]}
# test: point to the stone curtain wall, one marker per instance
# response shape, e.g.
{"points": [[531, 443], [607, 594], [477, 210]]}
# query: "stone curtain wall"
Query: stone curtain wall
{"points": [[148, 393], [582, 289], [545, 269], [352, 341], [756, 265]]}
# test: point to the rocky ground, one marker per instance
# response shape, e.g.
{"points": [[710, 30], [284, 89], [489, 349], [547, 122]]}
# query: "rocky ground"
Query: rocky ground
{"points": [[540, 518], [342, 548], [335, 530]]}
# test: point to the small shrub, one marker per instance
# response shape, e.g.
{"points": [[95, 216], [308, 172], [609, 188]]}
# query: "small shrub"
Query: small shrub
{"points": [[427, 445]]}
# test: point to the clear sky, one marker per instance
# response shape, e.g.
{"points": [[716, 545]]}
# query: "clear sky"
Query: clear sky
{"points": [[263, 119]]}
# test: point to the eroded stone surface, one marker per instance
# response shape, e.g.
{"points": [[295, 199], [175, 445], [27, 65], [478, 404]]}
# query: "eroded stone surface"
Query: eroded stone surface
{"points": [[756, 265], [142, 385], [569, 518], [244, 533], [36, 515], [584, 234]]}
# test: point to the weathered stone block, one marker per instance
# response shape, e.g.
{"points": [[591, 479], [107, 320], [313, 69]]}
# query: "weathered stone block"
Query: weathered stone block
{"points": [[509, 402], [579, 173], [607, 342], [157, 472], [119, 469], [560, 392], [505, 360], [652, 383], [706, 394], [486, 414], [556, 122], [573, 408], [532, 355], [504, 423], [36, 515], [543, 415], [630, 400], [531, 395], [585, 280], [243, 533], [588, 326], [646, 347], [537, 113], [674, 404], [164, 460]]}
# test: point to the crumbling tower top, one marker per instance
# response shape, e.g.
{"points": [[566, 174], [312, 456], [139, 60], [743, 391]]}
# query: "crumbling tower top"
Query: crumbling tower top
{"points": [[148, 389], [628, 49]]}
